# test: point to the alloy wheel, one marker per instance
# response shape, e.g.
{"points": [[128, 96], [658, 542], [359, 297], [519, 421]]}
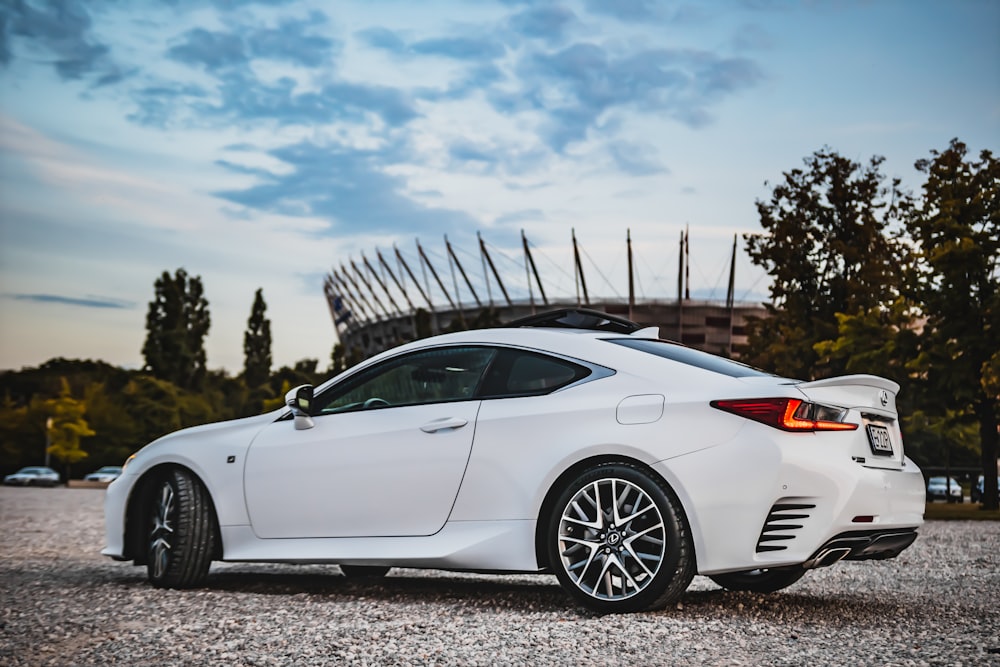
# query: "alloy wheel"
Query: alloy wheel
{"points": [[612, 539], [162, 532]]}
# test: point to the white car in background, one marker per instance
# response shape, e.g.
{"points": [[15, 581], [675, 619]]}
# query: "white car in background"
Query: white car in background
{"points": [[944, 488], [575, 443], [105, 474], [33, 476]]}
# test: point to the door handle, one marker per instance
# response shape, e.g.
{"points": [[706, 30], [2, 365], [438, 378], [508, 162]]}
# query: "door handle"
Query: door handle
{"points": [[443, 423]]}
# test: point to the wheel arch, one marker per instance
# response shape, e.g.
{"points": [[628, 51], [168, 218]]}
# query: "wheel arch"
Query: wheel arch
{"points": [[568, 475], [139, 502]]}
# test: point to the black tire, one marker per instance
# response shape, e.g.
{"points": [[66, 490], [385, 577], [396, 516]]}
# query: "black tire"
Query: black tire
{"points": [[759, 581], [364, 571], [180, 536], [612, 563]]}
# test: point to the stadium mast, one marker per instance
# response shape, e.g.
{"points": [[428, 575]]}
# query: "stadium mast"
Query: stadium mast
{"points": [[581, 280]]}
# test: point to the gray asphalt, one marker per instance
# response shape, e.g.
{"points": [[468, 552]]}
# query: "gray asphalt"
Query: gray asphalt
{"points": [[62, 603]]}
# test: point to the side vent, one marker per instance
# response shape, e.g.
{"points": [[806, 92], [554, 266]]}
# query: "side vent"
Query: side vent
{"points": [[783, 522]]}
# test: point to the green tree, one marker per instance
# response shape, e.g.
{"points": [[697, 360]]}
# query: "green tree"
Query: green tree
{"points": [[116, 428], [14, 447], [67, 427], [176, 325], [341, 359], [827, 247], [257, 344], [955, 227], [153, 405]]}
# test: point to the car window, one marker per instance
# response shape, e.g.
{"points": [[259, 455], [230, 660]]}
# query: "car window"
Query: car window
{"points": [[689, 356], [427, 376], [525, 373]]}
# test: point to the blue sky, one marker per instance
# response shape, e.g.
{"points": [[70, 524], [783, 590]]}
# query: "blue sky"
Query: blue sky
{"points": [[260, 144]]}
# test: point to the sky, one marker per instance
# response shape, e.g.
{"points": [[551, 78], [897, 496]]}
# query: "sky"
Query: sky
{"points": [[259, 145]]}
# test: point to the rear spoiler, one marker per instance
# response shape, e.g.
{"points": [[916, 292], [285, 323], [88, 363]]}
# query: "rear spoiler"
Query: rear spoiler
{"points": [[854, 381]]}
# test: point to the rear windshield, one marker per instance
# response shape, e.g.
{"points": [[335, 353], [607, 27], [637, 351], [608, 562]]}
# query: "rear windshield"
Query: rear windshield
{"points": [[689, 356]]}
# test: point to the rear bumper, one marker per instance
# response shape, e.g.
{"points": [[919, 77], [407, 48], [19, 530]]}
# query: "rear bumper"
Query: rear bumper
{"points": [[775, 502], [862, 545]]}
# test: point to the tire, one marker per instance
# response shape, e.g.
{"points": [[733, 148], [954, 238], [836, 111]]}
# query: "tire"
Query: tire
{"points": [[364, 571], [759, 581], [611, 558], [181, 532]]}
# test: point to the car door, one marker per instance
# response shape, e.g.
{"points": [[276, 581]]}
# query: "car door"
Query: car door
{"points": [[385, 457]]}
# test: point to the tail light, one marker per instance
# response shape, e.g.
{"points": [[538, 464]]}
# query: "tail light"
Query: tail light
{"points": [[788, 414]]}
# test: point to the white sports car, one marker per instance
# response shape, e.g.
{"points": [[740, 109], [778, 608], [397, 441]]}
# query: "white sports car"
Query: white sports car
{"points": [[576, 443]]}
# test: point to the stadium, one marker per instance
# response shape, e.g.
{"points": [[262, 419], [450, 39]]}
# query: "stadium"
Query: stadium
{"points": [[376, 304]]}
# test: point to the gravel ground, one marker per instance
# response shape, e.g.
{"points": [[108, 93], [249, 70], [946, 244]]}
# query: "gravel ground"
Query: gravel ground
{"points": [[62, 603]]}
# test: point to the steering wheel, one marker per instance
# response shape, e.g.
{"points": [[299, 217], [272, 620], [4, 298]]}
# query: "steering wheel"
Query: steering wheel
{"points": [[376, 402]]}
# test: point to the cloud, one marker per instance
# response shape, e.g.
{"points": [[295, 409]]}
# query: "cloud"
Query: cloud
{"points": [[626, 10], [460, 48], [90, 301], [63, 31], [533, 215], [467, 151], [636, 159], [347, 186], [160, 104], [292, 41], [212, 50], [496, 157], [382, 38], [465, 48], [577, 85], [549, 23], [242, 97]]}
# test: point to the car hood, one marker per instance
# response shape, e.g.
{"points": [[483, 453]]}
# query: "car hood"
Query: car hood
{"points": [[217, 431]]}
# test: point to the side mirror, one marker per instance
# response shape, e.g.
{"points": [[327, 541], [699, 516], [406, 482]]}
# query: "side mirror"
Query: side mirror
{"points": [[300, 401]]}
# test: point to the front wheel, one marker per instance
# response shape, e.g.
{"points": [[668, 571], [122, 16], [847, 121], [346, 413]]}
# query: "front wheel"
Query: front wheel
{"points": [[619, 542], [181, 537], [759, 581]]}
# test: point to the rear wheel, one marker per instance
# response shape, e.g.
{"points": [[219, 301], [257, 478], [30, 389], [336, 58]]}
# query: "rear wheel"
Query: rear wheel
{"points": [[364, 571], [759, 581], [181, 536], [619, 542]]}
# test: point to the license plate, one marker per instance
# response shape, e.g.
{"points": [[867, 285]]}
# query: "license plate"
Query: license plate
{"points": [[878, 438]]}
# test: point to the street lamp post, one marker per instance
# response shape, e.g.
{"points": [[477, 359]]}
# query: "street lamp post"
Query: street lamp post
{"points": [[48, 439]]}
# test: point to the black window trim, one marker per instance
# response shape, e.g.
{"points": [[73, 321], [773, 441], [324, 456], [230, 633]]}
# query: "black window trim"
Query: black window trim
{"points": [[597, 372]]}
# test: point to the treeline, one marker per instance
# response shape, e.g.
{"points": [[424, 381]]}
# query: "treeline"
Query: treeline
{"points": [[80, 415], [866, 278], [869, 278]]}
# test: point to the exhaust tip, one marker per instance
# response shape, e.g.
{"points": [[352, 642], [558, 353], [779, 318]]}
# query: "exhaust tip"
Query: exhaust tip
{"points": [[827, 557]]}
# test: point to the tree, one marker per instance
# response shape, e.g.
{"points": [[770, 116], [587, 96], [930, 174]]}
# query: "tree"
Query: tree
{"points": [[176, 325], [827, 246], [257, 344], [956, 230], [67, 427], [341, 359]]}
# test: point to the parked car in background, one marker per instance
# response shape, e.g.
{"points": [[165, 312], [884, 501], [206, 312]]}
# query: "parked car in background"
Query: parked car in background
{"points": [[976, 494], [944, 488], [105, 474], [573, 442], [33, 476]]}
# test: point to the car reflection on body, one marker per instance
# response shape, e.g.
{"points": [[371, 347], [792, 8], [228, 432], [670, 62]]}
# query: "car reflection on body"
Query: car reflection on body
{"points": [[944, 488], [105, 474], [574, 443], [33, 476]]}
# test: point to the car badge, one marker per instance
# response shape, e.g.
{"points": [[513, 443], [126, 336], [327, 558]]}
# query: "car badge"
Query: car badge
{"points": [[883, 397]]}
